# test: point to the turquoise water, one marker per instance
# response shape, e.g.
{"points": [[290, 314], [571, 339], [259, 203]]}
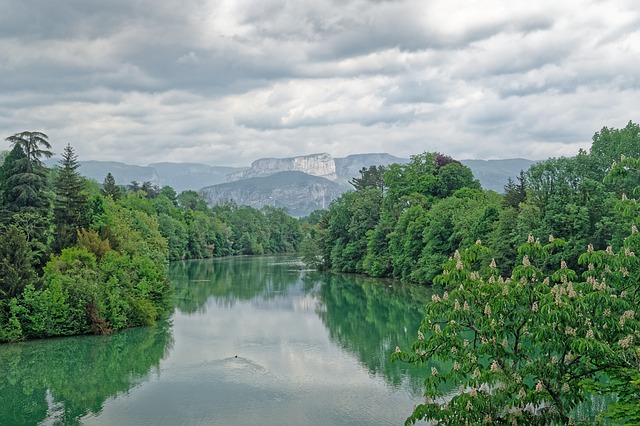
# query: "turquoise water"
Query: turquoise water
{"points": [[252, 341]]}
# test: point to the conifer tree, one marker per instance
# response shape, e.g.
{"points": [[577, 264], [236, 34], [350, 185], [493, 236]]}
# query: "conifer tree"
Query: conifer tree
{"points": [[71, 204], [24, 189], [109, 187], [15, 263], [24, 180], [515, 193]]}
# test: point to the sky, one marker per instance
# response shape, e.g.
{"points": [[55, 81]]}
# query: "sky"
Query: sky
{"points": [[226, 82]]}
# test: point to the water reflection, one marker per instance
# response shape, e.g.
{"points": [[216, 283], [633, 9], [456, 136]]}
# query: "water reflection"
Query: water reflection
{"points": [[364, 316], [370, 317], [231, 279], [253, 340], [57, 381]]}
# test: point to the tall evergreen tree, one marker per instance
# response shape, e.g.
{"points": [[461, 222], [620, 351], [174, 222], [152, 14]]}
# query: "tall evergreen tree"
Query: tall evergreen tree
{"points": [[515, 193], [24, 182], [15, 263], [151, 190], [134, 186], [371, 178], [109, 187], [35, 145], [6, 170], [71, 203], [24, 190]]}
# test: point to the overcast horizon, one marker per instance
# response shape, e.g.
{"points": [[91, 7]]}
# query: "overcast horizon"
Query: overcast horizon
{"points": [[228, 82]]}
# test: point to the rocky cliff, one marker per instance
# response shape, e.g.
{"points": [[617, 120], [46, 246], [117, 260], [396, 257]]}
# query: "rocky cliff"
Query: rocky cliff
{"points": [[321, 165], [297, 192]]}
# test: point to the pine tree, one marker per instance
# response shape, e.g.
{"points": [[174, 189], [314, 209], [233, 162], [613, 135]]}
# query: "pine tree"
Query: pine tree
{"points": [[515, 193], [109, 187], [71, 203], [369, 178], [151, 190]]}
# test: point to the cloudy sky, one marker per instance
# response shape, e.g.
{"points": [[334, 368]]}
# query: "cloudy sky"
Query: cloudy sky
{"points": [[225, 82]]}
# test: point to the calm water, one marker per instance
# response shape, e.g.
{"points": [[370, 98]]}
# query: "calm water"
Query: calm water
{"points": [[253, 341]]}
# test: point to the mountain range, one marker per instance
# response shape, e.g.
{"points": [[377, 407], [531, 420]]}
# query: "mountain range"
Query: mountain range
{"points": [[299, 184]]}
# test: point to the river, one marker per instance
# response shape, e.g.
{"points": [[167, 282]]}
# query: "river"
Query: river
{"points": [[252, 341]]}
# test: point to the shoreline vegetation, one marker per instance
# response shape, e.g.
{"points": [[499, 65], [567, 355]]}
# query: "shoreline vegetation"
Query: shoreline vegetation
{"points": [[539, 303], [80, 258]]}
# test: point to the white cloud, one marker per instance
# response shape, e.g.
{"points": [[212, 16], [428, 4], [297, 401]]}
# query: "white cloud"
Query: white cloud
{"points": [[229, 81]]}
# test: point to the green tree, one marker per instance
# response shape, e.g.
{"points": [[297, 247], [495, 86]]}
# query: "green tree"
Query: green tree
{"points": [[192, 200], [110, 188], [6, 191], [284, 231], [34, 145], [25, 202], [151, 190], [610, 143], [25, 182], [515, 193], [170, 193], [370, 178], [134, 186], [15, 263], [176, 234], [451, 224], [349, 219], [71, 206], [427, 178], [529, 348], [406, 242]]}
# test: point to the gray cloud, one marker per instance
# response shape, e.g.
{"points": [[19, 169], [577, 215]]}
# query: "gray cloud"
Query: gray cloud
{"points": [[228, 81]]}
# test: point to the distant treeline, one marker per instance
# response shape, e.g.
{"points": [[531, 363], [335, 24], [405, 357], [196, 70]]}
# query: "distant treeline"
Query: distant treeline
{"points": [[78, 257], [405, 221]]}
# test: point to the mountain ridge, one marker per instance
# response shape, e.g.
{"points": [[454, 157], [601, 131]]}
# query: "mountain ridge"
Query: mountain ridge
{"points": [[330, 175]]}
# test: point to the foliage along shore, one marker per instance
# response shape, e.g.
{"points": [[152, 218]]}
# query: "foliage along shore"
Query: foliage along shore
{"points": [[77, 258], [540, 309]]}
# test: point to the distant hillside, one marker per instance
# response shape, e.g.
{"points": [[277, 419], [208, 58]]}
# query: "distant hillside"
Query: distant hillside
{"points": [[123, 173], [494, 174], [179, 176], [297, 192], [183, 176], [282, 181]]}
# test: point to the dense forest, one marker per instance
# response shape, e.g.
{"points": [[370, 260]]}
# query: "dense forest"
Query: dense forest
{"points": [[406, 220], [78, 257], [539, 304]]}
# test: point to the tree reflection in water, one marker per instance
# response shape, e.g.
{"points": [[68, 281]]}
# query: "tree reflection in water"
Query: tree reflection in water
{"points": [[61, 380]]}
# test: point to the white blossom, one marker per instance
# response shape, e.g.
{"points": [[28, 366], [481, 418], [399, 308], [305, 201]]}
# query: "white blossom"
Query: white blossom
{"points": [[487, 310]]}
